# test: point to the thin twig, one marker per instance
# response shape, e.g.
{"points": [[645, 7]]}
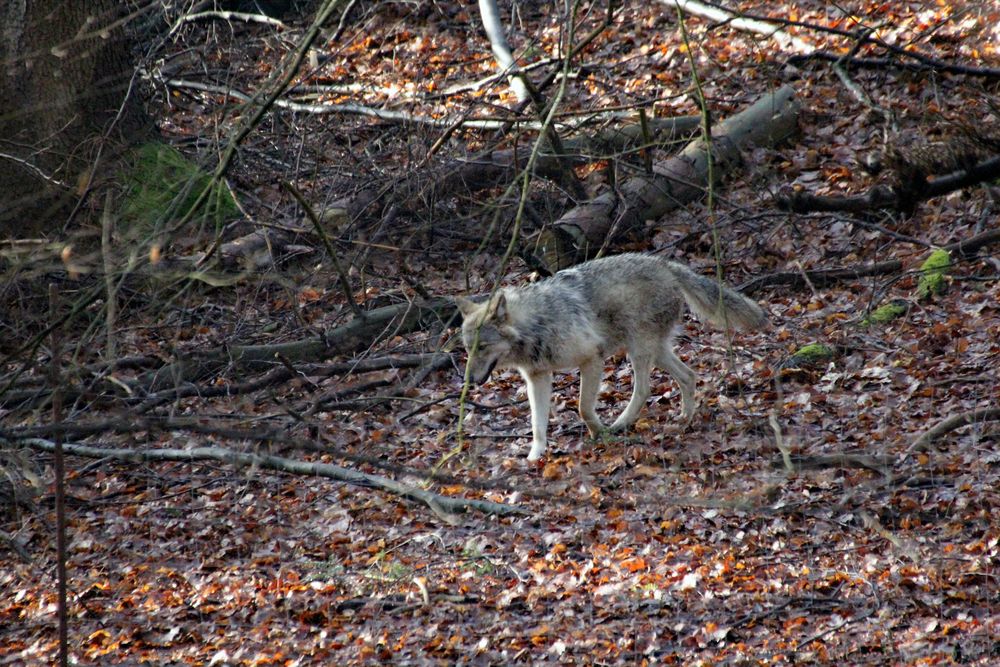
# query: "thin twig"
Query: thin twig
{"points": [[36, 170], [779, 442], [314, 219], [60, 482], [358, 109], [111, 297], [856, 90]]}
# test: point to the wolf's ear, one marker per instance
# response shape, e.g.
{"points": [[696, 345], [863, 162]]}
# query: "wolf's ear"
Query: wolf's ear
{"points": [[500, 308], [465, 306]]}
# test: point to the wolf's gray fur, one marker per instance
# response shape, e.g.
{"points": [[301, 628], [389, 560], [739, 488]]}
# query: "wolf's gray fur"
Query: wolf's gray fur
{"points": [[591, 311]]}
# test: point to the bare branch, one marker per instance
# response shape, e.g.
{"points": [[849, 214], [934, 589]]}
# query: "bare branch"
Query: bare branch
{"points": [[434, 501]]}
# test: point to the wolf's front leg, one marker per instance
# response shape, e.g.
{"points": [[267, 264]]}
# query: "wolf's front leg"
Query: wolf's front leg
{"points": [[539, 394]]}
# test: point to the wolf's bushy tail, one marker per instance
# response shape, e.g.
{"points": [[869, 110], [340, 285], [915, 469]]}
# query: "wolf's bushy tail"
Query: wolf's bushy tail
{"points": [[712, 301]]}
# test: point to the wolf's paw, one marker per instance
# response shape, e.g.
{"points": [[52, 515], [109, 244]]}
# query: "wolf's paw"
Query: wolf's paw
{"points": [[619, 426], [537, 452], [689, 409], [609, 437], [605, 436]]}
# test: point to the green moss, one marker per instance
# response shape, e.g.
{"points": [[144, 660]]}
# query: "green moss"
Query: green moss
{"points": [[933, 276], [810, 355], [163, 186], [815, 351], [886, 313]]}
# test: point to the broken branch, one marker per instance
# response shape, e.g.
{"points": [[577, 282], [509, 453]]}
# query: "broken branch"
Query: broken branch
{"points": [[435, 501], [950, 424]]}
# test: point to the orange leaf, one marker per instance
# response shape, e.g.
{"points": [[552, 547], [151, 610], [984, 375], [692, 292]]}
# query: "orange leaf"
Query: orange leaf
{"points": [[635, 564]]}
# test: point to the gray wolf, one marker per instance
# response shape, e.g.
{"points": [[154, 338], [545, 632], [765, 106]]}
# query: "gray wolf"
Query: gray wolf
{"points": [[581, 315]]}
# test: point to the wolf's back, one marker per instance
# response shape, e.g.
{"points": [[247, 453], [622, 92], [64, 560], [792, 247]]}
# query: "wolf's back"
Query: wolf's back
{"points": [[711, 300]]}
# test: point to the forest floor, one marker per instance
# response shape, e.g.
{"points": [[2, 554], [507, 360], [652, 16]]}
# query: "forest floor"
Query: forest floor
{"points": [[675, 543]]}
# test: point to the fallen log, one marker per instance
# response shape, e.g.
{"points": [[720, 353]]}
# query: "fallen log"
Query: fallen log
{"points": [[499, 167], [585, 229], [175, 379], [358, 334]]}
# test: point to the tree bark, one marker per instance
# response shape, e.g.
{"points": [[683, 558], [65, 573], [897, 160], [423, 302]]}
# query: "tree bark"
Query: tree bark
{"points": [[66, 89], [586, 228]]}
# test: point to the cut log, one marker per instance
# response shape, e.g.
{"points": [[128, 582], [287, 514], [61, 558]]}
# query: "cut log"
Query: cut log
{"points": [[585, 229]]}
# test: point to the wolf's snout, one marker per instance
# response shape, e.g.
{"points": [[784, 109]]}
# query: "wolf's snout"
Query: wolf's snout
{"points": [[481, 377]]}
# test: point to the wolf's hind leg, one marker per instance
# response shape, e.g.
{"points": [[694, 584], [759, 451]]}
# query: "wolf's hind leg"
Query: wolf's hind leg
{"points": [[642, 365], [590, 382], [539, 385], [684, 376]]}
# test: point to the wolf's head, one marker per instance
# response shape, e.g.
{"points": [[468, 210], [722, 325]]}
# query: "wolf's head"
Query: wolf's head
{"points": [[491, 321]]}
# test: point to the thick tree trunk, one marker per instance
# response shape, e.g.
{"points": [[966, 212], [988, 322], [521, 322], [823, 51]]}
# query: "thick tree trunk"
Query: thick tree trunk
{"points": [[65, 90], [583, 230]]}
